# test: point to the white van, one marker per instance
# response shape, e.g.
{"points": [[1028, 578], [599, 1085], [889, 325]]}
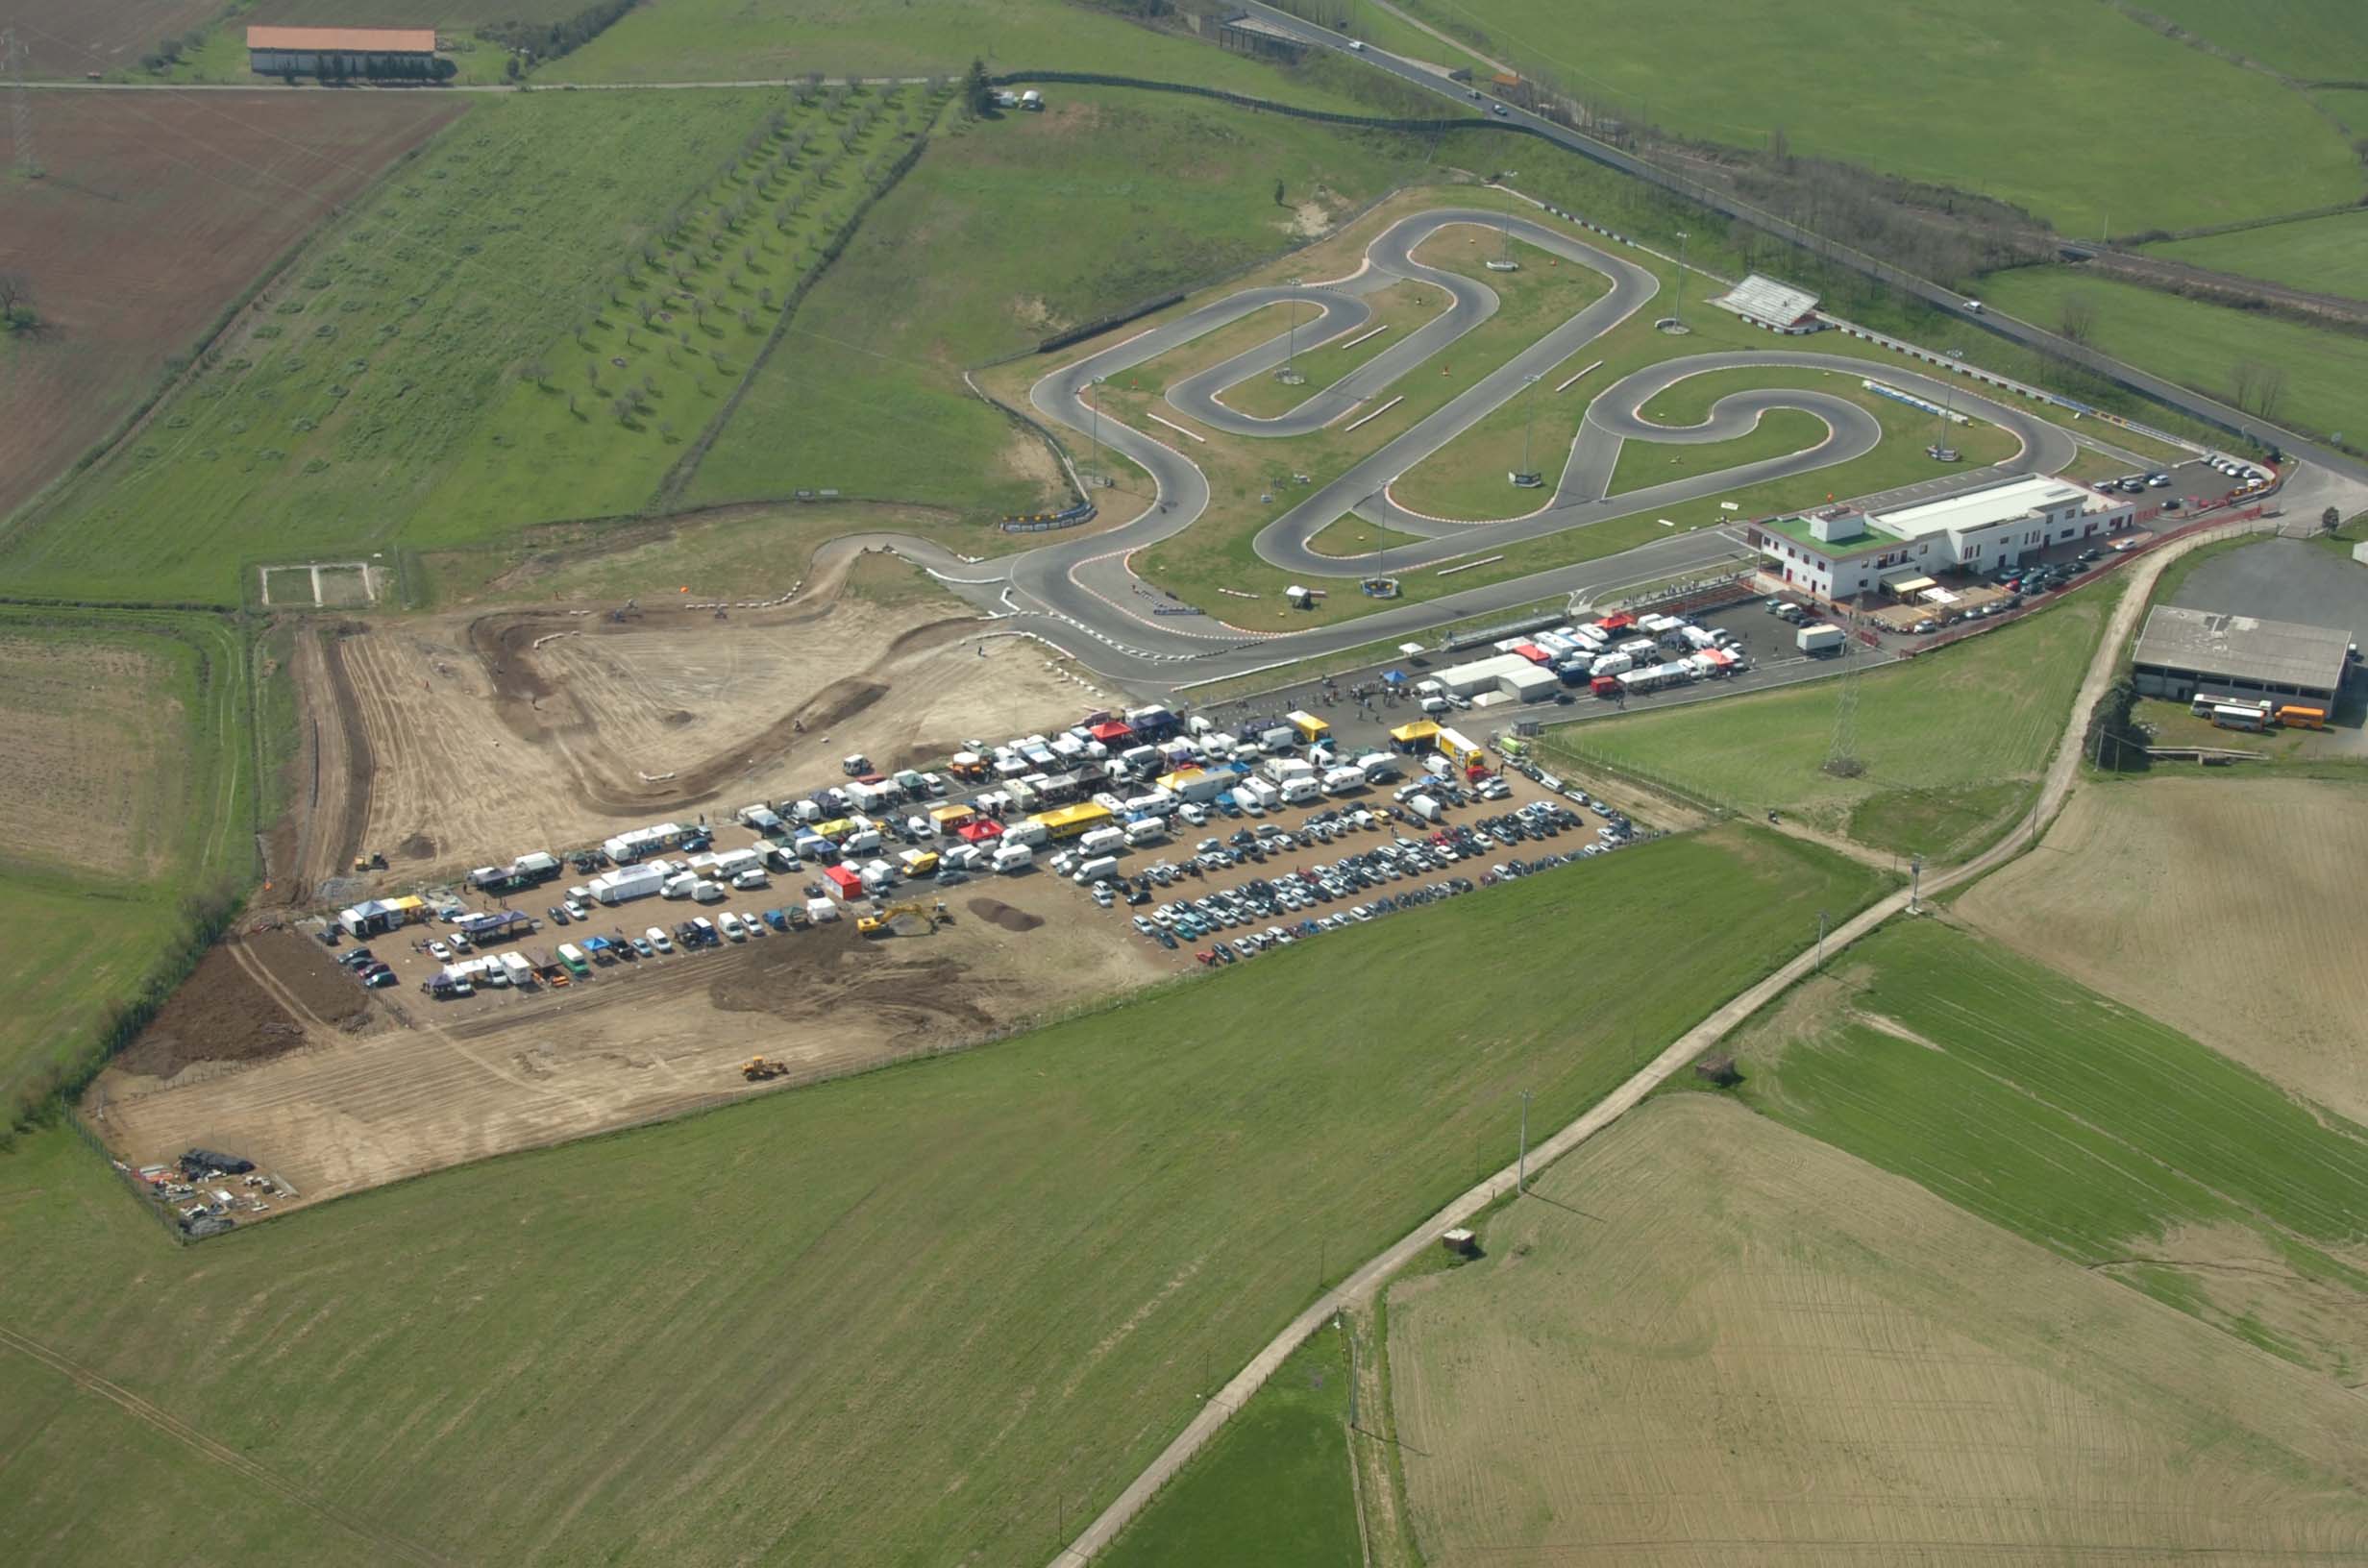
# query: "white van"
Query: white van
{"points": [[729, 925]]}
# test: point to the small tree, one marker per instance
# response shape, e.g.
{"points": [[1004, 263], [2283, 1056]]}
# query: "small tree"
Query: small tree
{"points": [[2076, 319], [2329, 520], [537, 372], [977, 93], [16, 312], [2113, 741], [1278, 193]]}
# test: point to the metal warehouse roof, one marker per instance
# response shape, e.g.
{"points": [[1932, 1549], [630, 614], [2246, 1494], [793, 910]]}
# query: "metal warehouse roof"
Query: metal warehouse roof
{"points": [[366, 41], [2239, 647]]}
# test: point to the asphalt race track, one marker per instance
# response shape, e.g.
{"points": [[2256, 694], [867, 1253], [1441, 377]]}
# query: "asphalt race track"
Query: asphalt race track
{"points": [[1083, 595]]}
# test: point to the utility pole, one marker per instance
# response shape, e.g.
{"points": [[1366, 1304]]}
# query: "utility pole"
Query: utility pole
{"points": [[20, 106], [1344, 1327], [1821, 942], [1915, 883], [1677, 308], [1520, 1168]]}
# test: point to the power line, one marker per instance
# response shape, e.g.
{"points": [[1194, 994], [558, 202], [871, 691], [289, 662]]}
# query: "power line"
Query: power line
{"points": [[20, 108]]}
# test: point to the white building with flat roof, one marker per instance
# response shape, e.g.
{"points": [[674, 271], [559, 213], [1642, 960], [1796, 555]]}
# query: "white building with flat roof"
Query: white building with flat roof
{"points": [[1843, 553]]}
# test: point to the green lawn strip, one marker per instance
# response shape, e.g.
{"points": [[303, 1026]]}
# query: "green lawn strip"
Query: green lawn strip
{"points": [[1351, 537], [1778, 431], [2087, 165], [943, 1214], [2205, 346], [1950, 741], [866, 392], [1399, 309], [1276, 1474], [742, 552], [321, 427], [2324, 255], [2068, 1119]]}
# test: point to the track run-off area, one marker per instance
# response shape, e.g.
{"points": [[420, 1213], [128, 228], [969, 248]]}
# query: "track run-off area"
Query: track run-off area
{"points": [[1088, 585]]}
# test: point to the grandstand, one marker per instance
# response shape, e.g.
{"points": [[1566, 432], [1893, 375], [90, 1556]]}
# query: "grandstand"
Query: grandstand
{"points": [[1780, 307]]}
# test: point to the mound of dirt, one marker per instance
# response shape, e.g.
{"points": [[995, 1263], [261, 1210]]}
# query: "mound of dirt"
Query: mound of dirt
{"points": [[818, 973], [220, 1014], [1005, 915], [305, 969]]}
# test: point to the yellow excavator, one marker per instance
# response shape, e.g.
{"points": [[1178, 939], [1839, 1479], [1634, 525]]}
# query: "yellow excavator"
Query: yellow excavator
{"points": [[883, 922], [757, 1068]]}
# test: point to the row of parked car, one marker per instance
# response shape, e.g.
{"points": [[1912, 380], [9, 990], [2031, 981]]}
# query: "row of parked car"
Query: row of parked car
{"points": [[1298, 892]]}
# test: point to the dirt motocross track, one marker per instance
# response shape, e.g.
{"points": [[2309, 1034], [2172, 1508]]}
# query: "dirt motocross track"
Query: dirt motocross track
{"points": [[461, 741]]}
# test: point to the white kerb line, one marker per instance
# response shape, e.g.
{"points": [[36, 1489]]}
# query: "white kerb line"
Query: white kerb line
{"points": [[1566, 386], [1376, 413], [1371, 331], [1451, 571], [1178, 429]]}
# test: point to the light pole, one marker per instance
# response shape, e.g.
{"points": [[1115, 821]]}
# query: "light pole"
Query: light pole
{"points": [[1821, 942], [1948, 404], [1529, 429], [1520, 1168], [1915, 883], [1677, 307], [1092, 399], [1290, 352]]}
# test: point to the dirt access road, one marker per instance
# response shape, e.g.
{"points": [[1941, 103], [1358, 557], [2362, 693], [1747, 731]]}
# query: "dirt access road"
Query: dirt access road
{"points": [[1359, 1288], [452, 742]]}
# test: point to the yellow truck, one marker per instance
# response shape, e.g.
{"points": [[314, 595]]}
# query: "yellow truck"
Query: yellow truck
{"points": [[1069, 822]]}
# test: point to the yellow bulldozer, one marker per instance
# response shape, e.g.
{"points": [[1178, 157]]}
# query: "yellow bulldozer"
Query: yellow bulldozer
{"points": [[883, 922], [757, 1068]]}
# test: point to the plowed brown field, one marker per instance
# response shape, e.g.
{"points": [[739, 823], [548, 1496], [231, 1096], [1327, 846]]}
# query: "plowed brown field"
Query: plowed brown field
{"points": [[1712, 1341], [157, 209], [2231, 908]]}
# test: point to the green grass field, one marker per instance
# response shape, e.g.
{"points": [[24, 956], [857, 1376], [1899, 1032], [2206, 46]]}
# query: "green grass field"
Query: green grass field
{"points": [[1952, 742], [2090, 1129], [752, 1333], [1874, 67], [2202, 345], [739, 41], [1276, 1476], [333, 417], [2327, 255], [78, 933], [866, 395], [1778, 431], [2311, 40]]}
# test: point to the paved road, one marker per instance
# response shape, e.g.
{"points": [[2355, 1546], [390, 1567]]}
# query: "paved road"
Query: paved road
{"points": [[1360, 1287]]}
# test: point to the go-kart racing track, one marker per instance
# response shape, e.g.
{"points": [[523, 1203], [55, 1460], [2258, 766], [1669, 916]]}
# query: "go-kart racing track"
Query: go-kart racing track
{"points": [[1086, 586]]}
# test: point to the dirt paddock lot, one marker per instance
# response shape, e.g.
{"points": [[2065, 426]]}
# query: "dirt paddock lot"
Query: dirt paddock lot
{"points": [[255, 1056], [450, 742]]}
